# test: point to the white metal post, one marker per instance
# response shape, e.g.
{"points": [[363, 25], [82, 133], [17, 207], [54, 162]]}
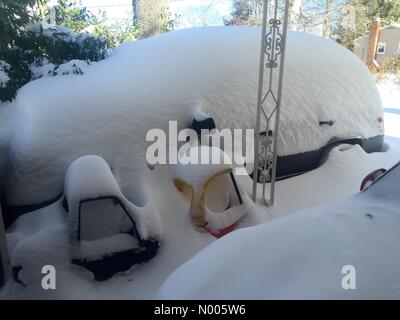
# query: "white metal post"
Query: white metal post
{"points": [[273, 49], [259, 99]]}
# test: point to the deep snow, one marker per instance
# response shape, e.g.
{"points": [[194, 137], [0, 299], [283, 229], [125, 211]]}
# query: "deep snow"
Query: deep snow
{"points": [[389, 88], [302, 255], [41, 237], [310, 248], [143, 84]]}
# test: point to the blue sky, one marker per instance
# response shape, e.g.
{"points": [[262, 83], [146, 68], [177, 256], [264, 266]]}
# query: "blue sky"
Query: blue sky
{"points": [[192, 13]]}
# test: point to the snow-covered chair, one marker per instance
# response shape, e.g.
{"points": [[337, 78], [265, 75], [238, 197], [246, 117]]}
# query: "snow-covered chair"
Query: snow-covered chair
{"points": [[108, 233], [215, 199]]}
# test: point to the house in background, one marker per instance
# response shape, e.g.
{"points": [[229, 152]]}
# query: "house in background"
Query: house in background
{"points": [[381, 44]]}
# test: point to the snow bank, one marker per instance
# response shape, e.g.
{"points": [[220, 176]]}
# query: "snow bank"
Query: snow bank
{"points": [[340, 176], [41, 237], [302, 255], [143, 84], [389, 88]]}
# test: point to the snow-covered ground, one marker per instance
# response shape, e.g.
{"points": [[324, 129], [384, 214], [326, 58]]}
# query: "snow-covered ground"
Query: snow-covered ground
{"points": [[303, 254], [389, 88], [41, 237], [307, 254], [318, 253]]}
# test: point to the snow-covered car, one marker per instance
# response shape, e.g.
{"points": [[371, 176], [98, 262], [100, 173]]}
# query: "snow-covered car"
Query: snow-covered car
{"points": [[329, 97], [347, 250]]}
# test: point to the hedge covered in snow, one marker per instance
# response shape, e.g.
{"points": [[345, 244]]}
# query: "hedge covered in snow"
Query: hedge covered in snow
{"points": [[46, 50]]}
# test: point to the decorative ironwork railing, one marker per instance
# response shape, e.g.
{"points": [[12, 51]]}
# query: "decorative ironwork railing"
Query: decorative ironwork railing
{"points": [[272, 64]]}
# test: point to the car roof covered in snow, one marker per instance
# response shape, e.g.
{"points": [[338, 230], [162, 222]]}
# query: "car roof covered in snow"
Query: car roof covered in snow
{"points": [[143, 84]]}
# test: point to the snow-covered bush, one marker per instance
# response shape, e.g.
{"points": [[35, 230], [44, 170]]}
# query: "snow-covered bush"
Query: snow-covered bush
{"points": [[391, 65], [46, 46], [47, 69], [72, 55], [77, 34], [4, 78]]}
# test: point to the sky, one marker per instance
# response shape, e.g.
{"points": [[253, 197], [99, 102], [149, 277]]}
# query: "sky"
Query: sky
{"points": [[190, 13]]}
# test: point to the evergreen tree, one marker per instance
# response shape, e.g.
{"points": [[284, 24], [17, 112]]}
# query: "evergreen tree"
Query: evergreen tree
{"points": [[25, 42], [245, 12], [13, 17]]}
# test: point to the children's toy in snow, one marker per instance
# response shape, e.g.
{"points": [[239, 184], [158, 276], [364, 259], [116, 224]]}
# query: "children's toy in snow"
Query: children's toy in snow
{"points": [[204, 176], [108, 233]]}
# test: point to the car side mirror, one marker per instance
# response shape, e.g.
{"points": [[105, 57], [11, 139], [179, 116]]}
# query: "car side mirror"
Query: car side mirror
{"points": [[206, 124], [371, 178]]}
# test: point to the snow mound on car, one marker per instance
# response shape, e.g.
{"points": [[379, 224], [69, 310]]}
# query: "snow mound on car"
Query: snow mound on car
{"points": [[108, 110]]}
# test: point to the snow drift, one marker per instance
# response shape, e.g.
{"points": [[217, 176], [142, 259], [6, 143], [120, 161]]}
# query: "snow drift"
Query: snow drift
{"points": [[41, 237], [302, 256], [143, 84]]}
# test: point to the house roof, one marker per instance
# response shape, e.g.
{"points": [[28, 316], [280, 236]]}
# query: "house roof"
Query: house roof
{"points": [[392, 26]]}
